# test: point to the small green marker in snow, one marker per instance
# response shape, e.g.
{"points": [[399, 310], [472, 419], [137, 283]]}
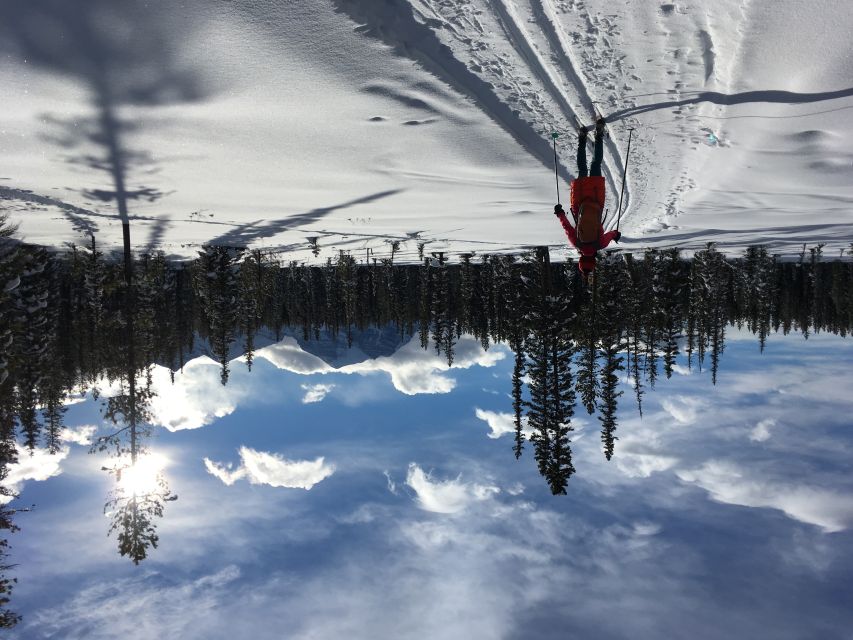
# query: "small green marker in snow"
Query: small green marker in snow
{"points": [[555, 135]]}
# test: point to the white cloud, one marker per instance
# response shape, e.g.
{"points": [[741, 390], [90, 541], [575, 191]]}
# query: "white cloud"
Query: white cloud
{"points": [[225, 472], [36, 466], [392, 486], [446, 496], [728, 483], [761, 432], [123, 606], [260, 467], [363, 514], [76, 397], [516, 489], [681, 370], [416, 370], [79, 435], [195, 398], [642, 465], [683, 408], [413, 369], [288, 355], [500, 423], [647, 528], [315, 392]]}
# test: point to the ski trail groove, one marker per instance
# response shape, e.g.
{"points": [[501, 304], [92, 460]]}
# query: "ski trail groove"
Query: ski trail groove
{"points": [[549, 25], [519, 38], [397, 25], [507, 76]]}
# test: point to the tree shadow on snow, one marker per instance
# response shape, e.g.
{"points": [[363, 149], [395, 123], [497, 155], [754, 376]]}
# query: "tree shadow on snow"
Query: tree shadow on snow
{"points": [[808, 233], [245, 234], [125, 54], [715, 97]]}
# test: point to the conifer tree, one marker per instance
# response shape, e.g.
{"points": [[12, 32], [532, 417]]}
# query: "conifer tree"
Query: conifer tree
{"points": [[517, 401], [549, 366], [613, 279], [587, 375], [215, 284]]}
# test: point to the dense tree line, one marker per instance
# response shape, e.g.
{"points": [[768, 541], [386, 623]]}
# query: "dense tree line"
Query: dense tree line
{"points": [[71, 320], [68, 319]]}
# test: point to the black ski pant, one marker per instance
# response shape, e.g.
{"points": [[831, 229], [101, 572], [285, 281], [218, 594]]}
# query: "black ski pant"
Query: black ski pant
{"points": [[597, 157]]}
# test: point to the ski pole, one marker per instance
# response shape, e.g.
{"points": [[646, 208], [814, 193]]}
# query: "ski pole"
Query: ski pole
{"points": [[624, 172], [556, 174]]}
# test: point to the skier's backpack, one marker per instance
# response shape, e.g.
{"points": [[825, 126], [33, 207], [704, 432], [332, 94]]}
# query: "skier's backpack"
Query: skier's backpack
{"points": [[587, 196], [589, 223]]}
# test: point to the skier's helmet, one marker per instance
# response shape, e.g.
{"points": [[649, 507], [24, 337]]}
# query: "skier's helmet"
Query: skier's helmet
{"points": [[586, 264]]}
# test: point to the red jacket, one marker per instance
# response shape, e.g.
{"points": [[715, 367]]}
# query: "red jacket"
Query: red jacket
{"points": [[588, 248]]}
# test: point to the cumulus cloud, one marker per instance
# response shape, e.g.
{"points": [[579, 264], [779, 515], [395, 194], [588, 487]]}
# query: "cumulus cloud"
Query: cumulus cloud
{"points": [[288, 355], [36, 466], [260, 467], [196, 398], [761, 432], [728, 483], [413, 370], [78, 435], [446, 496], [499, 423], [315, 392], [225, 472]]}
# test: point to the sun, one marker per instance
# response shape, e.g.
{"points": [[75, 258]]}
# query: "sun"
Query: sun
{"points": [[141, 478]]}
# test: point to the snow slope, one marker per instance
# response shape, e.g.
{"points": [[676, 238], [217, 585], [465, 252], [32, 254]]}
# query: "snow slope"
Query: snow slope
{"points": [[363, 122]]}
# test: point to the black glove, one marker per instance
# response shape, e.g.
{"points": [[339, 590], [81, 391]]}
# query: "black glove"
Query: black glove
{"points": [[618, 236], [558, 210]]}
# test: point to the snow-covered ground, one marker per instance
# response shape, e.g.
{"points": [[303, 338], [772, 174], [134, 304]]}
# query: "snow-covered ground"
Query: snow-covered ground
{"points": [[363, 122]]}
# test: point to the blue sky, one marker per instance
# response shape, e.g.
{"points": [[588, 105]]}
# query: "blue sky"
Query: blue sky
{"points": [[725, 512]]}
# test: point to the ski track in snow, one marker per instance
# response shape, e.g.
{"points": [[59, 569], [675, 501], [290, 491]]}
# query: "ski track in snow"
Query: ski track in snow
{"points": [[539, 61], [552, 60]]}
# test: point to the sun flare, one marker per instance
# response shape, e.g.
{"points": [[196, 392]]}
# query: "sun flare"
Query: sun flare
{"points": [[141, 478]]}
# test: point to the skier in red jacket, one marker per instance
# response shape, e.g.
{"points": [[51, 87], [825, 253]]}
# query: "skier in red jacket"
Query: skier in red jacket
{"points": [[587, 204]]}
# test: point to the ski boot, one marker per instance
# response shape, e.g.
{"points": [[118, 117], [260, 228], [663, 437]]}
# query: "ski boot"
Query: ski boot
{"points": [[582, 132]]}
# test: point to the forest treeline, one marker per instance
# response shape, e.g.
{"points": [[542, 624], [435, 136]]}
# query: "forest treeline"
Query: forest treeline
{"points": [[71, 321]]}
